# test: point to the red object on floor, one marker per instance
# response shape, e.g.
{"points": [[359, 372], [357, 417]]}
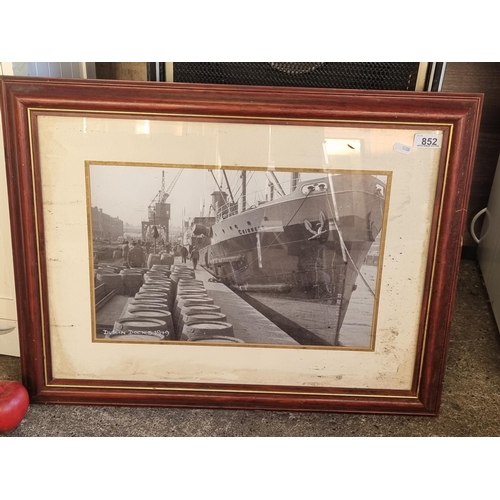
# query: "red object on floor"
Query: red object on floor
{"points": [[14, 402]]}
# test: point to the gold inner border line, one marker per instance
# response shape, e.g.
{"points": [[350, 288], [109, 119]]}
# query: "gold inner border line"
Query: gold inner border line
{"points": [[57, 111], [37, 236], [325, 171]]}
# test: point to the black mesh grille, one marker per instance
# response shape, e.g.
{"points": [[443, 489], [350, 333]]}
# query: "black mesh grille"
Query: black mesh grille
{"points": [[376, 76]]}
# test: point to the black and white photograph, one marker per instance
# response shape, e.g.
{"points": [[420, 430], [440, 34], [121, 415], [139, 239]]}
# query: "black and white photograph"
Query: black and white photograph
{"points": [[236, 256]]}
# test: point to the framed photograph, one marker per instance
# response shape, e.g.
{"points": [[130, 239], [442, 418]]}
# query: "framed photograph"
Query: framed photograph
{"points": [[236, 247]]}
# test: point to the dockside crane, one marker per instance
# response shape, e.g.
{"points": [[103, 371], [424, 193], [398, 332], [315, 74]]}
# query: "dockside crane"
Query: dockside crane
{"points": [[159, 210]]}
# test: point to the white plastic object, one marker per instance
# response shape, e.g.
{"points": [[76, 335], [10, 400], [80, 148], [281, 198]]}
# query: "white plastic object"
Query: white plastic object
{"points": [[473, 223]]}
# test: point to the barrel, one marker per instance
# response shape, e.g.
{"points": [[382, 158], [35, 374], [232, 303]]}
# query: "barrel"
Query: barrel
{"points": [[176, 267], [193, 300], [112, 281], [160, 301], [158, 272], [217, 339], [195, 294], [180, 298], [151, 280], [199, 309], [153, 258], [161, 267], [156, 286], [191, 310], [141, 297], [109, 269], [209, 317], [166, 259], [152, 295], [153, 306], [165, 294], [151, 313], [185, 292], [190, 281], [156, 275], [156, 280], [153, 286], [206, 330], [157, 291], [192, 286], [206, 316], [177, 275], [156, 314], [133, 273], [132, 281], [189, 301]]}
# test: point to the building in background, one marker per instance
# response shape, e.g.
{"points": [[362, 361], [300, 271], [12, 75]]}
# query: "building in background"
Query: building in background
{"points": [[104, 226]]}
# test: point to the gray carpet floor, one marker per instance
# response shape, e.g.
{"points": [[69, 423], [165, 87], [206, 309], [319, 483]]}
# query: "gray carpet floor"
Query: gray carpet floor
{"points": [[470, 401]]}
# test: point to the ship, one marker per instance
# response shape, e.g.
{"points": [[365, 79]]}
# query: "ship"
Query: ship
{"points": [[296, 256]]}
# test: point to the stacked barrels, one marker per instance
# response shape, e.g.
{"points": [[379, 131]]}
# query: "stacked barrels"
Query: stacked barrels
{"points": [[196, 316], [122, 280], [132, 280], [148, 315], [108, 275], [171, 304]]}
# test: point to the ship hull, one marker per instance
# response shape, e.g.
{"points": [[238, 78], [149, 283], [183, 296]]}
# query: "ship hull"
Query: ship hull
{"points": [[308, 246]]}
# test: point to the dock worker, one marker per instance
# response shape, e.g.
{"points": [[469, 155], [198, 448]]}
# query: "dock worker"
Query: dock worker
{"points": [[184, 254], [136, 256], [195, 256], [125, 250]]}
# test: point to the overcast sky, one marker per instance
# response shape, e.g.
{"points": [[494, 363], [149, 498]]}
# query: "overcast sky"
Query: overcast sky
{"points": [[126, 192]]}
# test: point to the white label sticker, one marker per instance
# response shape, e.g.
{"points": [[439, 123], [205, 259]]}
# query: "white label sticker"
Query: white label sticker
{"points": [[402, 148], [427, 141]]}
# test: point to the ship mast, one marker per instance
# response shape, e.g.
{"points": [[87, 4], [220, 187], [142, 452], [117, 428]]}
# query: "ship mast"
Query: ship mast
{"points": [[243, 190], [228, 186], [274, 180]]}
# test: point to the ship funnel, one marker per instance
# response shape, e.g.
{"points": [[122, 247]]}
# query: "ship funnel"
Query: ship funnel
{"points": [[219, 202]]}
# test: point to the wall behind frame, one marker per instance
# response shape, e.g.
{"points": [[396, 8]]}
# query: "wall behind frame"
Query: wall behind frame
{"points": [[484, 78], [9, 342]]}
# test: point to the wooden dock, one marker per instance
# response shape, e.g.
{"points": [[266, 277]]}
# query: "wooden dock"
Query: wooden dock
{"points": [[249, 325]]}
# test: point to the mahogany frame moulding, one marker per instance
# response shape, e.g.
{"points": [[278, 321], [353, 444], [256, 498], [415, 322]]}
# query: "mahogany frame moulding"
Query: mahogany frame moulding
{"points": [[455, 116]]}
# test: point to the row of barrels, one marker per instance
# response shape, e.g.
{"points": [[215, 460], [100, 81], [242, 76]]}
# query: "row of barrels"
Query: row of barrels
{"points": [[120, 279], [197, 318], [173, 305]]}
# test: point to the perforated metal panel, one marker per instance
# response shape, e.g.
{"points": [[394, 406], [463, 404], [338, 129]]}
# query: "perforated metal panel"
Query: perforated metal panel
{"points": [[370, 75]]}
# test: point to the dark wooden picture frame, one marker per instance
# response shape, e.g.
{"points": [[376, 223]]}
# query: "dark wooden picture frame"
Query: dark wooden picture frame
{"points": [[33, 110]]}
